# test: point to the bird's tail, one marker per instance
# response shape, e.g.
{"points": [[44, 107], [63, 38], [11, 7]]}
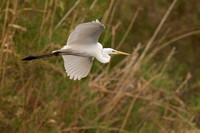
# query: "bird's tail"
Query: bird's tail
{"points": [[40, 56]]}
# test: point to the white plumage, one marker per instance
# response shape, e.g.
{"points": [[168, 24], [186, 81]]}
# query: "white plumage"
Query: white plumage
{"points": [[85, 34], [77, 67], [82, 46]]}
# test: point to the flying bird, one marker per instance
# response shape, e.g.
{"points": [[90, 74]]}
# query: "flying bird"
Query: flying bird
{"points": [[81, 48]]}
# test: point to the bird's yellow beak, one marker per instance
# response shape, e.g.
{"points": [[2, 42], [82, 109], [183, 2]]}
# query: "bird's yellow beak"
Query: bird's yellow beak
{"points": [[119, 52]]}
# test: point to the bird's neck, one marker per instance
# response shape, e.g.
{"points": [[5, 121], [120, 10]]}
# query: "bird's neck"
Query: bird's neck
{"points": [[103, 57]]}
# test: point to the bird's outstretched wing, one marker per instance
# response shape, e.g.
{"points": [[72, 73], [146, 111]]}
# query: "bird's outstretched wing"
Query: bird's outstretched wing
{"points": [[77, 67], [86, 33]]}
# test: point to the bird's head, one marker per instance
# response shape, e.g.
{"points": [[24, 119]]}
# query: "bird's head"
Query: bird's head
{"points": [[113, 51]]}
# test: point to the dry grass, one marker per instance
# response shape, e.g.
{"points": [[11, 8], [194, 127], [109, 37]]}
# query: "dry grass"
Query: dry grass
{"points": [[125, 97]]}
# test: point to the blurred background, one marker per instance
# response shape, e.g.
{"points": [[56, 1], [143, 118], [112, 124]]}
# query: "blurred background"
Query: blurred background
{"points": [[155, 89]]}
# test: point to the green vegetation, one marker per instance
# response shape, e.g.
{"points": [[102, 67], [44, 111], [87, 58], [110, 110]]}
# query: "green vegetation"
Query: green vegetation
{"points": [[155, 89]]}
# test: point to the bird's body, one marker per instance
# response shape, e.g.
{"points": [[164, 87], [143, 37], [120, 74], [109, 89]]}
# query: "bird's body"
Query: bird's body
{"points": [[82, 47]]}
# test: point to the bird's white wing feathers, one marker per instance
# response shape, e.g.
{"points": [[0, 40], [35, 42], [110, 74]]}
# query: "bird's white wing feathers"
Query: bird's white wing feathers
{"points": [[77, 67], [86, 33]]}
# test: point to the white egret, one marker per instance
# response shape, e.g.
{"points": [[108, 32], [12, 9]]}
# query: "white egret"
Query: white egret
{"points": [[82, 47]]}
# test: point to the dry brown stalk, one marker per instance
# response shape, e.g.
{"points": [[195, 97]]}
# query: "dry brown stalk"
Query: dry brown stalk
{"points": [[93, 4], [156, 50], [114, 28], [108, 25], [128, 94], [67, 14], [1, 7], [175, 112], [52, 19], [162, 38], [107, 12], [4, 33], [33, 9], [129, 27], [7, 38], [128, 113], [188, 77], [93, 127], [168, 59], [157, 31], [43, 21]]}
